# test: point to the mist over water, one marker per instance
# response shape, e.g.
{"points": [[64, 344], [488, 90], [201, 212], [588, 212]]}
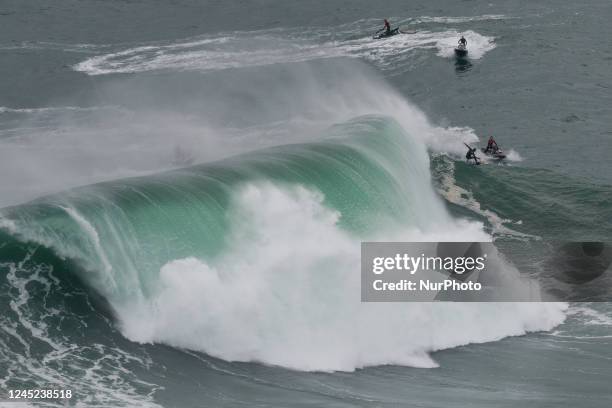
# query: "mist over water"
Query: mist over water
{"points": [[138, 126]]}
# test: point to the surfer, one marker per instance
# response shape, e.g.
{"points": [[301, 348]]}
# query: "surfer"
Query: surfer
{"points": [[462, 41], [492, 146], [471, 155]]}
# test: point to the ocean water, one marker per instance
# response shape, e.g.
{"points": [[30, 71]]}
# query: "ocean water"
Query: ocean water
{"points": [[184, 187]]}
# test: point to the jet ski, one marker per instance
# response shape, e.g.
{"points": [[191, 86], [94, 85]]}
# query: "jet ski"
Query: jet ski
{"points": [[495, 154], [461, 50], [382, 33]]}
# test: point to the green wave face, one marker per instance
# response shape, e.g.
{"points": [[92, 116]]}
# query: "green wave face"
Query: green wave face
{"points": [[368, 171], [548, 205]]}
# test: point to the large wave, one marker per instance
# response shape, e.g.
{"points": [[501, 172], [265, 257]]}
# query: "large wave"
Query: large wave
{"points": [[255, 258]]}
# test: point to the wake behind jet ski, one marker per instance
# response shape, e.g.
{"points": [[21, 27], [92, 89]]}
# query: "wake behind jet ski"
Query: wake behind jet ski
{"points": [[461, 49], [493, 150]]}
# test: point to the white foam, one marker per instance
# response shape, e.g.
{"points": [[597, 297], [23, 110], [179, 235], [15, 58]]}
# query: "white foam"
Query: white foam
{"points": [[455, 194], [5, 109], [8, 225], [478, 45], [514, 156], [459, 19], [90, 232], [287, 292], [82, 368], [590, 316], [236, 50]]}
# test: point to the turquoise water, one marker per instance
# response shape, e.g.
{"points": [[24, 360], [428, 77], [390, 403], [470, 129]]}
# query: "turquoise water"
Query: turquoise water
{"points": [[185, 188]]}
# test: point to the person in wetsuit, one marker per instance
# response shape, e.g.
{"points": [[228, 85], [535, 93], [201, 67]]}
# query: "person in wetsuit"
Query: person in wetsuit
{"points": [[463, 42], [471, 155]]}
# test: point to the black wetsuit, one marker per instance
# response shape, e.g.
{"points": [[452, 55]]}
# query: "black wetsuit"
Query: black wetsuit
{"points": [[463, 42], [471, 155]]}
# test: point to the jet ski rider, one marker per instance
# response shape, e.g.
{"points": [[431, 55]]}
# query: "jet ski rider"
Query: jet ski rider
{"points": [[463, 42], [491, 146], [387, 27]]}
